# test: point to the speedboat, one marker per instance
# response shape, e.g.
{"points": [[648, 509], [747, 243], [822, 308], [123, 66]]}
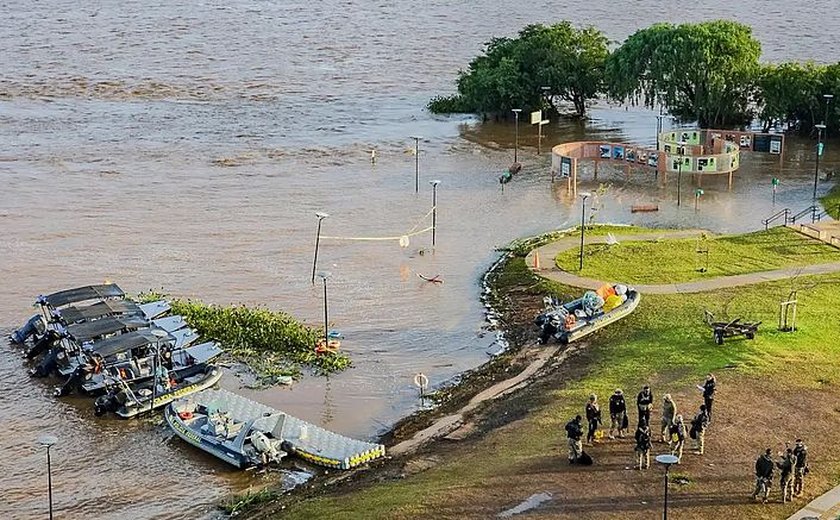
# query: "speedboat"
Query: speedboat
{"points": [[573, 320]]}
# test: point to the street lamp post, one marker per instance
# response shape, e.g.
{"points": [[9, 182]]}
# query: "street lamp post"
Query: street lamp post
{"points": [[48, 441], [324, 276], [828, 98], [820, 129], [160, 334], [416, 163], [321, 216], [667, 460], [583, 197], [681, 151], [516, 112], [434, 184]]}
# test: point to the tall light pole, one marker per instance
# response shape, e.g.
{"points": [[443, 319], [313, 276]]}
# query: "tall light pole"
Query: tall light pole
{"points": [[667, 460], [416, 162], [324, 276], [321, 216], [434, 184], [681, 151], [828, 98], [516, 112], [583, 196], [48, 441], [160, 334], [820, 129]]}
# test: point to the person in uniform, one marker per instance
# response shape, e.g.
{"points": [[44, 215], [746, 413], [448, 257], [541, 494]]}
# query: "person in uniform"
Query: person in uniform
{"points": [[669, 411], [618, 413], [644, 402], [676, 439], [786, 466], [593, 417], [800, 468], [643, 446], [698, 430], [709, 388], [763, 475], [574, 432]]}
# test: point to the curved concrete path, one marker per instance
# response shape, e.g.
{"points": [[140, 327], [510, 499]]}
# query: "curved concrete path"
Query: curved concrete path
{"points": [[548, 252]]}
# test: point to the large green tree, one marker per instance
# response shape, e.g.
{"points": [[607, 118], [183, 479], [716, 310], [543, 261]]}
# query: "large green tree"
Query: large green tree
{"points": [[789, 95], [512, 72], [704, 71]]}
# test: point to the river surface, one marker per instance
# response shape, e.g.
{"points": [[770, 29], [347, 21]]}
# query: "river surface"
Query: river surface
{"points": [[188, 145]]}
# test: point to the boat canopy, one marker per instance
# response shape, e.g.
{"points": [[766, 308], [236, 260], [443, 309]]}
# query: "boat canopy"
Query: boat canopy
{"points": [[126, 342], [81, 294], [75, 314], [89, 330]]}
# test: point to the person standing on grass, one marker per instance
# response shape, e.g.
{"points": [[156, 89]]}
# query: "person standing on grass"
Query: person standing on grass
{"points": [[763, 475], [786, 466], [800, 468], [574, 431], [643, 446], [676, 439], [669, 411], [644, 402], [593, 416], [618, 413], [708, 389], [698, 430]]}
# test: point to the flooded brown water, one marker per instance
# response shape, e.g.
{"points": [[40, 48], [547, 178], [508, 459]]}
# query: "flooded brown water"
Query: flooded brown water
{"points": [[188, 145]]}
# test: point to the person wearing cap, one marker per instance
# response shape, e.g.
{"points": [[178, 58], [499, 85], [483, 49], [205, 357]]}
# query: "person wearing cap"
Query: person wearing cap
{"points": [[669, 411], [574, 431], [644, 402], [593, 416], [677, 437], [618, 414], [800, 468], [763, 475]]}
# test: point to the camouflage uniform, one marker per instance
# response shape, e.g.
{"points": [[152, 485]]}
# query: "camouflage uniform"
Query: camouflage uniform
{"points": [[643, 446], [669, 412], [800, 451], [786, 467], [574, 431]]}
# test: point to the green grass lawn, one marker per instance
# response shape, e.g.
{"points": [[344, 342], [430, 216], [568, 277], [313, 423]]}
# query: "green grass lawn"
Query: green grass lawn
{"points": [[831, 201], [677, 260], [665, 339]]}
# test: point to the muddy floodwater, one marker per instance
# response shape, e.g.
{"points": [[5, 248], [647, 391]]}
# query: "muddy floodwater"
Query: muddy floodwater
{"points": [[188, 145]]}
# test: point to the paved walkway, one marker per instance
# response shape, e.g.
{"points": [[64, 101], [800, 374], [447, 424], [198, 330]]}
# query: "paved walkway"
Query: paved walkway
{"points": [[824, 507], [549, 269]]}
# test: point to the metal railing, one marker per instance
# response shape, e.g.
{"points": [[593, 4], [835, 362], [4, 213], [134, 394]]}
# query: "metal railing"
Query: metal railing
{"points": [[810, 210], [785, 213]]}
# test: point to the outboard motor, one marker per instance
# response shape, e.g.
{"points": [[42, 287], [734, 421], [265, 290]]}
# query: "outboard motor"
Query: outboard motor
{"points": [[47, 365], [48, 340], [104, 404], [34, 325], [73, 382]]}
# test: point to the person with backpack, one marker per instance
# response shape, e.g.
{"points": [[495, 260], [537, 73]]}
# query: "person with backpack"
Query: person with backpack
{"points": [[698, 430], [669, 411], [574, 432], [800, 468], [763, 475], [643, 445], [593, 417], [786, 466], [644, 402], [618, 414], [676, 439]]}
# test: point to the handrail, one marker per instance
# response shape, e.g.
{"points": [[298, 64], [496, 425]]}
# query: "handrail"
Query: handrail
{"points": [[827, 212], [809, 210], [769, 220]]}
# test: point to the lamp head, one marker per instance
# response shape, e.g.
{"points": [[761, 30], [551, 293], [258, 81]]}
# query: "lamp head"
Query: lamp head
{"points": [[667, 459], [47, 440], [159, 333], [321, 215], [516, 110], [585, 195], [820, 127], [416, 137], [324, 275], [434, 182], [828, 97]]}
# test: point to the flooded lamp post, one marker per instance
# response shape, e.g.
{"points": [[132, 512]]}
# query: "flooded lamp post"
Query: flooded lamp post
{"points": [[48, 441], [416, 163], [583, 197], [820, 129], [681, 150], [828, 98], [667, 460], [434, 184], [321, 216], [516, 112], [324, 275], [160, 334]]}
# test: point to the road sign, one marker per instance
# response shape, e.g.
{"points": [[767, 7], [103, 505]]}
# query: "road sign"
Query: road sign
{"points": [[536, 117]]}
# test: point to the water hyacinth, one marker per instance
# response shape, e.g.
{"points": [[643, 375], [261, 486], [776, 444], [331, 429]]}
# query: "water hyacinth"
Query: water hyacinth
{"points": [[271, 343]]}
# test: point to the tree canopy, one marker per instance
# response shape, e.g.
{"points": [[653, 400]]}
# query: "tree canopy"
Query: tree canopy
{"points": [[512, 72], [704, 71]]}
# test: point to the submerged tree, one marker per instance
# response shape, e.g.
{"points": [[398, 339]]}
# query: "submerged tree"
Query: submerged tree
{"points": [[704, 71], [514, 72]]}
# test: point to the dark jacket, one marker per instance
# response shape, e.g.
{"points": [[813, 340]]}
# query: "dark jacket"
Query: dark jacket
{"points": [[801, 454], [678, 429], [642, 439], [764, 467], [617, 404], [593, 412], [709, 389], [644, 400], [700, 422], [574, 430]]}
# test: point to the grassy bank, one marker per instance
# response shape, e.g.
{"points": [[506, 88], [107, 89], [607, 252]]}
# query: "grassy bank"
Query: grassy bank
{"points": [[831, 201], [664, 342], [678, 260]]}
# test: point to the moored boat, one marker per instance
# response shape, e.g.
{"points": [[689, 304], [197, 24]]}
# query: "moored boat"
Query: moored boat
{"points": [[573, 320]]}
